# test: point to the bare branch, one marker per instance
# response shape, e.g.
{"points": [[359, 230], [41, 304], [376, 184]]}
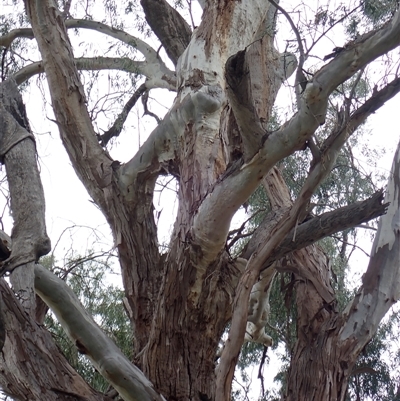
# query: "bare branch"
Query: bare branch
{"points": [[116, 128], [155, 77], [148, 52], [147, 112], [153, 67], [300, 77]]}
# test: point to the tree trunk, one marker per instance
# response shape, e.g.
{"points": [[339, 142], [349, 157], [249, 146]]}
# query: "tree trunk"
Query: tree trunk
{"points": [[320, 370], [329, 343]]}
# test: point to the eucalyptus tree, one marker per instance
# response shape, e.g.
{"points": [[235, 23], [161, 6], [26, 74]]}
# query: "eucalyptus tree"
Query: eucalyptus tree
{"points": [[216, 143]]}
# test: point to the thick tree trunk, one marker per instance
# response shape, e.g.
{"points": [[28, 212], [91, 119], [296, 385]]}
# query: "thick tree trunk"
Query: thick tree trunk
{"points": [[319, 368], [194, 302]]}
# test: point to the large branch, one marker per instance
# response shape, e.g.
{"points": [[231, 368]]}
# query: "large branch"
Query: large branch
{"points": [[32, 366], [113, 365], [329, 223], [155, 77], [300, 238], [148, 52], [8, 38], [162, 146], [171, 29], [18, 153], [152, 67], [93, 166], [125, 200], [259, 309], [216, 211], [310, 114]]}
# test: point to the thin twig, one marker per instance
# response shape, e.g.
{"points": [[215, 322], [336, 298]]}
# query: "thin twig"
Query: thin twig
{"points": [[299, 74], [116, 128]]}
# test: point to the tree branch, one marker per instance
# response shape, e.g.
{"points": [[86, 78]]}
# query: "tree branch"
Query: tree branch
{"points": [[171, 29], [300, 78], [8, 38], [148, 52], [329, 223], [311, 112], [153, 67], [217, 209], [116, 128], [381, 282], [113, 365], [156, 78], [18, 153], [161, 146], [32, 366], [91, 163]]}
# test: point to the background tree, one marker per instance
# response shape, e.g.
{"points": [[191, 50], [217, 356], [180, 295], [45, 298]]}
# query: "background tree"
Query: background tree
{"points": [[216, 142]]}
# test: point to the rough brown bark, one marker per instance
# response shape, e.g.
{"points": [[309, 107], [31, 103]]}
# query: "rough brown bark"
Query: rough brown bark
{"points": [[189, 320], [323, 366], [329, 343]]}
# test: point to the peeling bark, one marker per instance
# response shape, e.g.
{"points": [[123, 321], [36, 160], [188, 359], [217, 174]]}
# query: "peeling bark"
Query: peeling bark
{"points": [[18, 152]]}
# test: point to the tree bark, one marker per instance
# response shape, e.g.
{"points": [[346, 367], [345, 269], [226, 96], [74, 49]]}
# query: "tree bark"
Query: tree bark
{"points": [[32, 366], [329, 343], [18, 152]]}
